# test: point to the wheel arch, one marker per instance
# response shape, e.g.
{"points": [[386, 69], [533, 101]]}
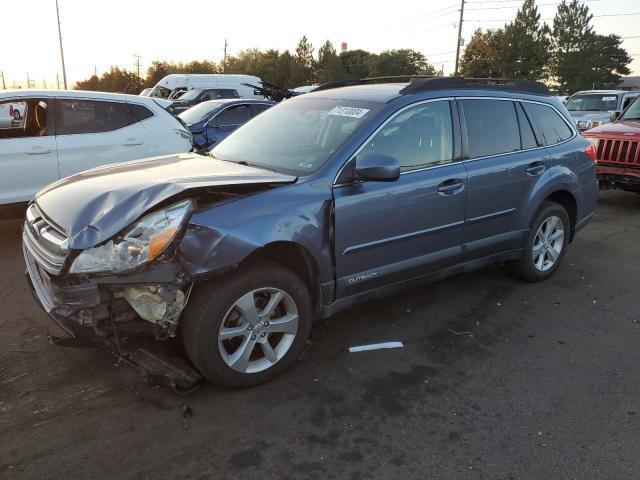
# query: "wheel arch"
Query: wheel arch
{"points": [[567, 200], [295, 257]]}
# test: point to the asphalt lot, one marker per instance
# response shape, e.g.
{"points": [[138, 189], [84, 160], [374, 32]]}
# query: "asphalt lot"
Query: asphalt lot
{"points": [[498, 379]]}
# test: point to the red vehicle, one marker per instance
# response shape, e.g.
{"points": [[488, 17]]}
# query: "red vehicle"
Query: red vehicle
{"points": [[616, 146]]}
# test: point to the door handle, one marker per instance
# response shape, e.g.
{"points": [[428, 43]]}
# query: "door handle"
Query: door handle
{"points": [[38, 151], [132, 142], [535, 169], [452, 186]]}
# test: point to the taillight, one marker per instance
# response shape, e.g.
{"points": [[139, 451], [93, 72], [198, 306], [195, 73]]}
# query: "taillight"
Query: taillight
{"points": [[592, 149]]}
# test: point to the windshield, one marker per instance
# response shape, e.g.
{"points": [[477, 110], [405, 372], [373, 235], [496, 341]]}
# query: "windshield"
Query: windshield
{"points": [[632, 112], [190, 95], [593, 103], [199, 112], [159, 92], [297, 136]]}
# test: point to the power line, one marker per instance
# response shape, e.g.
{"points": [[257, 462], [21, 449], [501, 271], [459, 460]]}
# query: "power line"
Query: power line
{"points": [[519, 6], [546, 18]]}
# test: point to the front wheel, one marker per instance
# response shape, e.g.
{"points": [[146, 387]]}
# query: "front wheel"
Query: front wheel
{"points": [[546, 243], [249, 327]]}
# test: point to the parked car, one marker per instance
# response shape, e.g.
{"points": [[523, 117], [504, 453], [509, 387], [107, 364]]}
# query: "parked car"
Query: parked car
{"points": [[617, 147], [199, 95], [322, 201], [211, 122], [591, 108], [10, 113], [63, 132], [174, 85]]}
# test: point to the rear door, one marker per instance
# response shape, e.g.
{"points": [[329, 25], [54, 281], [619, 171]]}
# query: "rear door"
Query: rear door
{"points": [[504, 161], [389, 232], [91, 133], [28, 158]]}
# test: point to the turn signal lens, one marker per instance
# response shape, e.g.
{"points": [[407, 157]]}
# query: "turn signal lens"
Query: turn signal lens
{"points": [[159, 243]]}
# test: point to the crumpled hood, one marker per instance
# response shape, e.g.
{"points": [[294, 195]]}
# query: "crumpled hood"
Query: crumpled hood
{"points": [[94, 205]]}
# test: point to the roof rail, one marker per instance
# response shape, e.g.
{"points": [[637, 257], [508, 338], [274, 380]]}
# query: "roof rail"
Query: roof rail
{"points": [[364, 81], [438, 83], [425, 83]]}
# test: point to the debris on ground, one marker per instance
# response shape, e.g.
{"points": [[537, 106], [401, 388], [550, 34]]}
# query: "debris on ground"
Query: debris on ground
{"points": [[375, 346]]}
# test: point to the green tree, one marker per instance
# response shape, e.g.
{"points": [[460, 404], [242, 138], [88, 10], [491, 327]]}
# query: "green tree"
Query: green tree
{"points": [[525, 50], [357, 63], [401, 62], [115, 80], [329, 66], [482, 56], [608, 61], [303, 66]]}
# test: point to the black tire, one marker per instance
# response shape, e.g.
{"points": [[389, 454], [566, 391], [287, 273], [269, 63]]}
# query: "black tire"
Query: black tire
{"points": [[16, 115], [525, 267], [209, 305]]}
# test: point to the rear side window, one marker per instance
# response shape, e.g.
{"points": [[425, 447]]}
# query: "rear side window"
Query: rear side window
{"points": [[258, 108], [526, 132], [550, 124], [233, 116], [90, 116], [492, 127], [139, 112]]}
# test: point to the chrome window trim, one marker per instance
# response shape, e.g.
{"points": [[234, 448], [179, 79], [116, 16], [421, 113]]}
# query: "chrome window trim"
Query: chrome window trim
{"points": [[508, 99], [381, 126]]}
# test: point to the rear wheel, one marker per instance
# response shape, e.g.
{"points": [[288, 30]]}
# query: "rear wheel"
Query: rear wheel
{"points": [[16, 115], [249, 327], [546, 243]]}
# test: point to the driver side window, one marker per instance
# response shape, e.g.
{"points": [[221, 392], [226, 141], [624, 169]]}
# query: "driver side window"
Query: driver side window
{"points": [[419, 137], [233, 116]]}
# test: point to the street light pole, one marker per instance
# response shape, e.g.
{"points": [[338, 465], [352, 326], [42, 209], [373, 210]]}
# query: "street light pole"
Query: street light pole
{"points": [[64, 72], [459, 39]]}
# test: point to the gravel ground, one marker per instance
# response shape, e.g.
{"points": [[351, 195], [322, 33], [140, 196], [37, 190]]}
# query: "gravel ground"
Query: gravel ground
{"points": [[498, 379]]}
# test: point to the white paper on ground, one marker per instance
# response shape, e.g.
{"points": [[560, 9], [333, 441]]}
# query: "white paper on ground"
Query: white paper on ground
{"points": [[375, 346]]}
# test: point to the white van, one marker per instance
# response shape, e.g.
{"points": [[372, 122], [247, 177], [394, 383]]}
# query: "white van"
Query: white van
{"points": [[171, 86]]}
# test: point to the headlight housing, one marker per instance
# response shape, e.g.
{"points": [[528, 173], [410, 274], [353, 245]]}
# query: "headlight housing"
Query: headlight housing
{"points": [[141, 243]]}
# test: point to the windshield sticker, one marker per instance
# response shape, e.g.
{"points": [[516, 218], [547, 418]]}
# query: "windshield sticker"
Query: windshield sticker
{"points": [[609, 99], [305, 165], [352, 112]]}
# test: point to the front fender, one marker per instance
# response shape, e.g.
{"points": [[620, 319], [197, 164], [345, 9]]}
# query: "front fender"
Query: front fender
{"points": [[219, 238]]}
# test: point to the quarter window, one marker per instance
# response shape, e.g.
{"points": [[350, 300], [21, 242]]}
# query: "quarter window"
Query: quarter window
{"points": [[419, 137], [140, 112], [492, 127], [549, 123], [89, 116]]}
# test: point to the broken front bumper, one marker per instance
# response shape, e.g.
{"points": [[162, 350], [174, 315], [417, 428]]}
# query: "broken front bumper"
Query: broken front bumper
{"points": [[59, 304]]}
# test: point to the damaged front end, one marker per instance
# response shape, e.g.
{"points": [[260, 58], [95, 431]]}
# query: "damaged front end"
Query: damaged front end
{"points": [[114, 311]]}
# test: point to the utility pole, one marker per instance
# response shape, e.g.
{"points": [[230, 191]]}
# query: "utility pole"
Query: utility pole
{"points": [[58, 81], [137, 63], [224, 59], [459, 39], [4, 87], [28, 81], [64, 71]]}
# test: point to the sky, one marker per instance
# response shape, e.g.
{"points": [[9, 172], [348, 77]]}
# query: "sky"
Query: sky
{"points": [[98, 34]]}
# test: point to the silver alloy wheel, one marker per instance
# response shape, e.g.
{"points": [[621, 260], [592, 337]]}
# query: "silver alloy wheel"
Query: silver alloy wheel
{"points": [[258, 330], [548, 243]]}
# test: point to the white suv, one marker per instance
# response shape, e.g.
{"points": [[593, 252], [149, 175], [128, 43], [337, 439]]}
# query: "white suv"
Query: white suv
{"points": [[59, 133]]}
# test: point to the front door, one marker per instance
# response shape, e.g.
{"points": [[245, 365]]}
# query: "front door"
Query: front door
{"points": [[389, 232], [28, 158]]}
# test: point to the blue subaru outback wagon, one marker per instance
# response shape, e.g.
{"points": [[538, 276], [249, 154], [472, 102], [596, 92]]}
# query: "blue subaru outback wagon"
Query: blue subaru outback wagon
{"points": [[328, 199]]}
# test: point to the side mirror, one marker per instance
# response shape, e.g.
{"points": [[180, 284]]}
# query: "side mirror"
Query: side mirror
{"points": [[378, 168], [614, 116]]}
